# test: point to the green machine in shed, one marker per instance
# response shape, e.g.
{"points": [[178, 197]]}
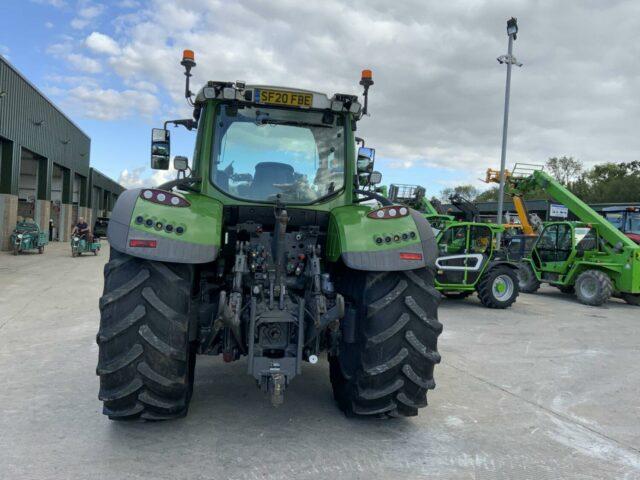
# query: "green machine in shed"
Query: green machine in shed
{"points": [[27, 236]]}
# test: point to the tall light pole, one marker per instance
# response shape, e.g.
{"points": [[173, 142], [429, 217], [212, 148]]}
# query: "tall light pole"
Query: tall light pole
{"points": [[509, 60]]}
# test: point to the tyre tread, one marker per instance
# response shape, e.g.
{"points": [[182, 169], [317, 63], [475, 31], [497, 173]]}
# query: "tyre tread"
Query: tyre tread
{"points": [[144, 360], [389, 369]]}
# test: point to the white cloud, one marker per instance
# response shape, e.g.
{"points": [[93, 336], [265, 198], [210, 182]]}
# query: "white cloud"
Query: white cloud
{"points": [[107, 103], [83, 63], [143, 176], [4, 50], [79, 23], [87, 12], [91, 10], [128, 4], [439, 91], [101, 43], [62, 48], [48, 25], [131, 179]]}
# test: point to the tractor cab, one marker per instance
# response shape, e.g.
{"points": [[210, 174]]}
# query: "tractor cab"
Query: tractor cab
{"points": [[266, 152], [560, 244], [469, 260], [464, 249], [625, 219]]}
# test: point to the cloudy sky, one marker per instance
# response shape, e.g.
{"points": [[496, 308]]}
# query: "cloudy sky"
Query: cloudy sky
{"points": [[436, 106]]}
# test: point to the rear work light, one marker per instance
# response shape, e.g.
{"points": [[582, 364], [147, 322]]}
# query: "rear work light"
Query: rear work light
{"points": [[410, 256], [388, 212], [163, 198], [143, 243]]}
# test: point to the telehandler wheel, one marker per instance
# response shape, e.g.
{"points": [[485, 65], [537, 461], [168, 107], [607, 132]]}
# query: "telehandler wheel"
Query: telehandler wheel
{"points": [[631, 298], [457, 295], [498, 288], [527, 280], [593, 287], [388, 368], [146, 361]]}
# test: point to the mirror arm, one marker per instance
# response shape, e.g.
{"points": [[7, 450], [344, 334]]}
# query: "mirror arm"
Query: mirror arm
{"points": [[372, 196], [187, 123], [178, 183]]}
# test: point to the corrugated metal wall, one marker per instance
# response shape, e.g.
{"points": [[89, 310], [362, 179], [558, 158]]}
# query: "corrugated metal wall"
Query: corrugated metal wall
{"points": [[101, 184], [30, 120]]}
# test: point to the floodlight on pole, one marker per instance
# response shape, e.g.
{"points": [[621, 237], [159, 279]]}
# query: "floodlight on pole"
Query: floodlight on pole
{"points": [[509, 60]]}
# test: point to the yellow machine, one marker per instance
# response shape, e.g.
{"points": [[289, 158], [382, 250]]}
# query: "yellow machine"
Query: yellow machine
{"points": [[493, 176]]}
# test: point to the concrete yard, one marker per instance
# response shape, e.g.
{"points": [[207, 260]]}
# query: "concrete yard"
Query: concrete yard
{"points": [[547, 389]]}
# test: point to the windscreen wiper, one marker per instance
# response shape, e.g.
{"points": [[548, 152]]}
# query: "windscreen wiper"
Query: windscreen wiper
{"points": [[293, 124]]}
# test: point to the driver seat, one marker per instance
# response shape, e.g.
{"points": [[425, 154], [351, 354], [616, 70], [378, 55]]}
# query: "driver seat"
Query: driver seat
{"points": [[266, 175]]}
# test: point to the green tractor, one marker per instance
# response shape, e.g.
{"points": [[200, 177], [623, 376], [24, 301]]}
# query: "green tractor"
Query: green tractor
{"points": [[469, 261], [263, 249], [590, 257], [27, 236]]}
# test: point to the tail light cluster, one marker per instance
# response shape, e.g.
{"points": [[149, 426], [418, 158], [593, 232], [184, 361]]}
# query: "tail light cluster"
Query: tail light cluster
{"points": [[385, 213], [163, 198]]}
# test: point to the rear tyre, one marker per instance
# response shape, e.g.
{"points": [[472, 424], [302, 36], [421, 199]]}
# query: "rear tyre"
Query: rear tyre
{"points": [[631, 298], [146, 361], [457, 295], [388, 368], [498, 288], [40, 250], [527, 280], [15, 250], [593, 287]]}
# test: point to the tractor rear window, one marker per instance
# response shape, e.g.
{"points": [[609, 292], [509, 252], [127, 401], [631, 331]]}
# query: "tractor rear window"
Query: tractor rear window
{"points": [[633, 223], [616, 219], [262, 153]]}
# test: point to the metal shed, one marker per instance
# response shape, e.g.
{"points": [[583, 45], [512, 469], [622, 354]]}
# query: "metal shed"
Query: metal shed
{"points": [[44, 161]]}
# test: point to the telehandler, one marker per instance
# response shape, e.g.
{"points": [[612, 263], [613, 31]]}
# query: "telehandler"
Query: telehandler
{"points": [[589, 257], [469, 258], [263, 249]]}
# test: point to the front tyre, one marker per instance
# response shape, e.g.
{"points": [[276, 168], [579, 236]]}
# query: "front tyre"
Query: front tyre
{"points": [[593, 287], [498, 288], [146, 361], [387, 368], [527, 280]]}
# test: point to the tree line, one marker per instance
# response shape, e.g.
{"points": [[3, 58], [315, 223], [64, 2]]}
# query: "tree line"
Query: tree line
{"points": [[603, 183]]}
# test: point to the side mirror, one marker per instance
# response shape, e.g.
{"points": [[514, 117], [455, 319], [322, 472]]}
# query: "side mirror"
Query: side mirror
{"points": [[375, 178], [366, 158], [180, 163], [160, 149]]}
